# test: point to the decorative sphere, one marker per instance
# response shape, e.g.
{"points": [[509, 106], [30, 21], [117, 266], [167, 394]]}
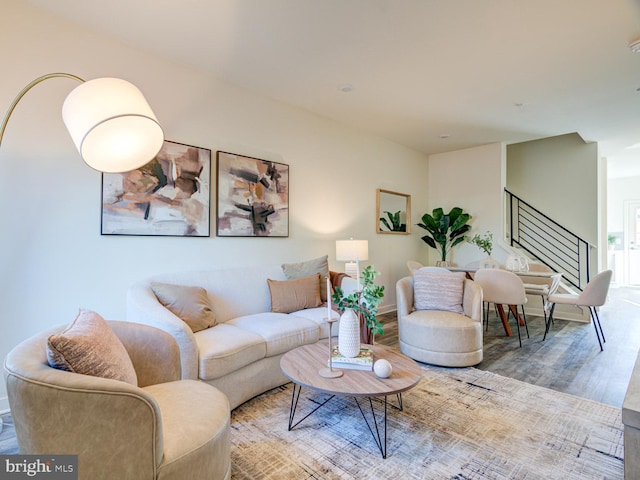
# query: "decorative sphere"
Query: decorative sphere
{"points": [[382, 368]]}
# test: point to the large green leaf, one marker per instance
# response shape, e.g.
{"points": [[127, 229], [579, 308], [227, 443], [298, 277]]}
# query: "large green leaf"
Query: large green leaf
{"points": [[445, 222], [429, 241], [461, 231], [429, 223], [457, 241], [455, 213], [437, 214], [460, 221]]}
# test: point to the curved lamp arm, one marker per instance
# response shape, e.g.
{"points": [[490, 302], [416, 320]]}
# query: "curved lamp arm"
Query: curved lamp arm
{"points": [[109, 120], [26, 89]]}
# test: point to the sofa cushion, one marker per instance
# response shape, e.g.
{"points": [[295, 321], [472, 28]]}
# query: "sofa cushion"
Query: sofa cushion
{"points": [[304, 269], [290, 295], [226, 348], [191, 304], [281, 332], [438, 290], [89, 346], [319, 315], [195, 429]]}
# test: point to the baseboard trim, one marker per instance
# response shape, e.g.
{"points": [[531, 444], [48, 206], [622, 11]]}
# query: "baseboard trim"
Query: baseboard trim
{"points": [[561, 312]]}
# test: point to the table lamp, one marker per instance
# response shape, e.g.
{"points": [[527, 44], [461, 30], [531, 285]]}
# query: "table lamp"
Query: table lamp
{"points": [[352, 251], [109, 120]]}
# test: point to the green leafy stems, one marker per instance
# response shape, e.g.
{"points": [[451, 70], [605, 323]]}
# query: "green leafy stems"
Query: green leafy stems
{"points": [[484, 242], [445, 230], [365, 302]]}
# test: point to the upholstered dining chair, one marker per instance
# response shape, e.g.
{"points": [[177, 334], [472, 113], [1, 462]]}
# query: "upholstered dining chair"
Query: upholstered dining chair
{"points": [[594, 295], [502, 287], [541, 286]]}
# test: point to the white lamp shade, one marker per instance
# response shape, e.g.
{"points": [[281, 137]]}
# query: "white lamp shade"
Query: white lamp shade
{"points": [[351, 250], [112, 125]]}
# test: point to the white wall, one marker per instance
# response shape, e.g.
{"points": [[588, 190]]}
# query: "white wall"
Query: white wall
{"points": [[567, 168], [52, 257], [472, 179]]}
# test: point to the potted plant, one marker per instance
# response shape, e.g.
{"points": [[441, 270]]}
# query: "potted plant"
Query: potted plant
{"points": [[363, 303], [611, 240], [483, 242], [445, 230]]}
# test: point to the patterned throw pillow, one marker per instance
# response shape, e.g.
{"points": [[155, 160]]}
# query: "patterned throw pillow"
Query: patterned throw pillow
{"points": [[89, 346], [292, 295], [191, 304], [438, 290], [304, 269]]}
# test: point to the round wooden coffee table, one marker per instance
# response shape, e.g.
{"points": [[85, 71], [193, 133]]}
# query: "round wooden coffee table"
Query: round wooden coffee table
{"points": [[301, 365]]}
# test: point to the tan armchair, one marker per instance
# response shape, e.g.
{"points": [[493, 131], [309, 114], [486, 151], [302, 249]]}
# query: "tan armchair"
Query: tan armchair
{"points": [[164, 428], [440, 337]]}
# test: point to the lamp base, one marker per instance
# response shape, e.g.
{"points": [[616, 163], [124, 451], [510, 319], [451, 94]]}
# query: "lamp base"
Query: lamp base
{"points": [[329, 373], [351, 269]]}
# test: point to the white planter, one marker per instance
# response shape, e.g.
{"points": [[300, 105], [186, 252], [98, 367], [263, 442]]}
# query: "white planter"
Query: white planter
{"points": [[349, 334]]}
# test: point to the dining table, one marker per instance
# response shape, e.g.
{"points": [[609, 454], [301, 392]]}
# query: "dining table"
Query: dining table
{"points": [[555, 278]]}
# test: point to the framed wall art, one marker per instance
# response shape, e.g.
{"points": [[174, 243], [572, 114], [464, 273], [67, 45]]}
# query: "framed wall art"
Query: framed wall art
{"points": [[253, 197], [169, 196]]}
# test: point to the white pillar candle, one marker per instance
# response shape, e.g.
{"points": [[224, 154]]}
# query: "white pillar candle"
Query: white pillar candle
{"points": [[328, 300]]}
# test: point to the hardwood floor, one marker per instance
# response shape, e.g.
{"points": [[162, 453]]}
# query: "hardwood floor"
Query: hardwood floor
{"points": [[569, 360]]}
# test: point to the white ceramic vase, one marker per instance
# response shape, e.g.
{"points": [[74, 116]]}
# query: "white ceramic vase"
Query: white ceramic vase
{"points": [[349, 334]]}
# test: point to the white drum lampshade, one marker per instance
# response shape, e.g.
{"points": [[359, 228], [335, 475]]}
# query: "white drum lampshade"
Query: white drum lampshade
{"points": [[112, 125]]}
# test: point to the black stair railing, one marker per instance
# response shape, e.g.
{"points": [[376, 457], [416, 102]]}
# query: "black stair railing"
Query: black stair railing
{"points": [[548, 241]]}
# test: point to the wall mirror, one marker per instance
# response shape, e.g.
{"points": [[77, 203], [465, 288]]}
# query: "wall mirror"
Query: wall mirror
{"points": [[393, 212]]}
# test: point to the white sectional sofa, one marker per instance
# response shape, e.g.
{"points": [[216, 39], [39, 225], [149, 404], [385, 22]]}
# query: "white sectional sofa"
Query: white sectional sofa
{"points": [[241, 354]]}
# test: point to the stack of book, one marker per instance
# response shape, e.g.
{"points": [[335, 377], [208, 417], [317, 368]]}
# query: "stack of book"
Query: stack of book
{"points": [[363, 361]]}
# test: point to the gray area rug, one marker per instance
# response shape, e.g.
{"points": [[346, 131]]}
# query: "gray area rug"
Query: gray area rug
{"points": [[458, 424], [462, 424]]}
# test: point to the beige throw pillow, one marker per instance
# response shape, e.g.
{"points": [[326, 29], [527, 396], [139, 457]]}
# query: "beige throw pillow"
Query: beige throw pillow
{"points": [[304, 269], [292, 295], [89, 346], [438, 290], [191, 304]]}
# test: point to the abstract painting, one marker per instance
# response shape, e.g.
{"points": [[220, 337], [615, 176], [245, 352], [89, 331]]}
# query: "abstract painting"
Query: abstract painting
{"points": [[169, 196], [253, 197]]}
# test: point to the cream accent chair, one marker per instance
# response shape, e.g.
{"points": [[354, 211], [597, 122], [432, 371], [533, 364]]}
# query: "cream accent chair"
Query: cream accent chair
{"points": [[164, 428], [439, 337]]}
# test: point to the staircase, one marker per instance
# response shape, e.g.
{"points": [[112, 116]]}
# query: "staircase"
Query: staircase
{"points": [[547, 241]]}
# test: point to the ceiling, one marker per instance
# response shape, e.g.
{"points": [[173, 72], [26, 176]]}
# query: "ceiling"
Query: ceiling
{"points": [[435, 75]]}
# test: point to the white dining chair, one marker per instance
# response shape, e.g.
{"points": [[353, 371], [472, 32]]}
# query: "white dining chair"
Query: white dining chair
{"points": [[594, 295], [541, 286], [502, 287]]}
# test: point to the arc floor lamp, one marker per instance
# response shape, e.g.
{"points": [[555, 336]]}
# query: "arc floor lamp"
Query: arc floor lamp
{"points": [[109, 120]]}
